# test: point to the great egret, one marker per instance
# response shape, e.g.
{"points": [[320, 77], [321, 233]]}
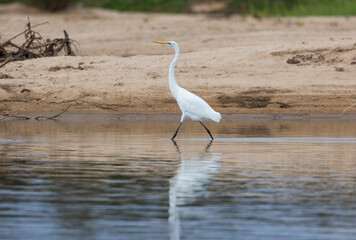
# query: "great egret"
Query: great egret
{"points": [[192, 106]]}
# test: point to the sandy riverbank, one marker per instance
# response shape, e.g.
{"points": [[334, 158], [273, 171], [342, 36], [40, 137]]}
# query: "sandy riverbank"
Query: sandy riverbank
{"points": [[238, 65]]}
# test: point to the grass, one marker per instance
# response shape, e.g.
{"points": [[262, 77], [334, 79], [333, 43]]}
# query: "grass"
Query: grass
{"points": [[293, 7], [323, 8], [247, 7], [175, 6], [262, 8]]}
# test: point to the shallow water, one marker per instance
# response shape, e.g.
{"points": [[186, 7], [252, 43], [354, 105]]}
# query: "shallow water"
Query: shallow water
{"points": [[124, 179]]}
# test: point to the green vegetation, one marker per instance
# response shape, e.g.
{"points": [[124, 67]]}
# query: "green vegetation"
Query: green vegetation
{"points": [[50, 5], [175, 6], [292, 7], [250, 7]]}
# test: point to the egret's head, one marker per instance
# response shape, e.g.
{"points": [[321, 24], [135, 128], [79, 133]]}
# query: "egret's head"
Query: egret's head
{"points": [[169, 43]]}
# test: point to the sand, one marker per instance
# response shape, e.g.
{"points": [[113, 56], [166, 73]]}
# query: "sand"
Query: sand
{"points": [[238, 65]]}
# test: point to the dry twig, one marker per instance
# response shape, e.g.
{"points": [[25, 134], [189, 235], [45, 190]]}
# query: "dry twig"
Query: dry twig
{"points": [[53, 117], [347, 109], [35, 46], [8, 115]]}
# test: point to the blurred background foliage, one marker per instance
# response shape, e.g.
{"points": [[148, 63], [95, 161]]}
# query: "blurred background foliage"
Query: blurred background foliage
{"points": [[246, 7]]}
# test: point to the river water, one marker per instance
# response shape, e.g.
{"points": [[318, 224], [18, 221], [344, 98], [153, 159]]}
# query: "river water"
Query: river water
{"points": [[124, 179]]}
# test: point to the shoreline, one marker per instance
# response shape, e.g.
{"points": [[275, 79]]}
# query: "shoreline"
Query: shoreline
{"points": [[274, 66], [106, 115]]}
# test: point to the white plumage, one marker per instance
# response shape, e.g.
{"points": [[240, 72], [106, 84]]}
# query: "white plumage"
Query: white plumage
{"points": [[192, 106], [195, 108]]}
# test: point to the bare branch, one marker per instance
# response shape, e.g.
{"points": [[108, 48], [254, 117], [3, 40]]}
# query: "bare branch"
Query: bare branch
{"points": [[35, 46], [53, 117], [8, 115], [347, 109], [8, 60]]}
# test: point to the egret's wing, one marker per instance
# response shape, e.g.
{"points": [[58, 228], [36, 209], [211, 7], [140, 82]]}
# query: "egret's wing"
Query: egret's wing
{"points": [[191, 103]]}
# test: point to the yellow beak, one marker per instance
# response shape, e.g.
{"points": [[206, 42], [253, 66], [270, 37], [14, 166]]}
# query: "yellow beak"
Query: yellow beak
{"points": [[161, 42]]}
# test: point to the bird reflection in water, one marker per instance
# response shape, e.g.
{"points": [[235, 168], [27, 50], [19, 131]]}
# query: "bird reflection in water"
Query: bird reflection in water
{"points": [[188, 185]]}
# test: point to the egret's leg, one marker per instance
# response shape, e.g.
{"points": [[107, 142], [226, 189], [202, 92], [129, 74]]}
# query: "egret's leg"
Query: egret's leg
{"points": [[207, 130], [176, 145], [175, 134], [208, 146]]}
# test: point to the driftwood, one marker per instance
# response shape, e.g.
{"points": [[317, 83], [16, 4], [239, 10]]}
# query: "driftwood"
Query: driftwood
{"points": [[35, 46], [20, 117], [54, 116], [354, 104]]}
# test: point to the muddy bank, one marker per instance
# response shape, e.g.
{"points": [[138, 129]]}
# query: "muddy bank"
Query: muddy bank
{"points": [[238, 65]]}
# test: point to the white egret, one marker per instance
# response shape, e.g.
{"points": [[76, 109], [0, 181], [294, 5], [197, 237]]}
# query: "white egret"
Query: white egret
{"points": [[192, 106], [188, 185]]}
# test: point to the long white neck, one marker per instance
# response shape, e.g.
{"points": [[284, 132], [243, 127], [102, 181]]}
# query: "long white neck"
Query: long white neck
{"points": [[173, 86]]}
